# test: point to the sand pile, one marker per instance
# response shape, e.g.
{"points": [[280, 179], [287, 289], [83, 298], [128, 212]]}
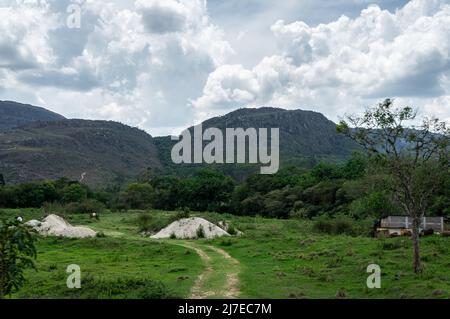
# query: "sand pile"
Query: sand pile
{"points": [[187, 228], [53, 225]]}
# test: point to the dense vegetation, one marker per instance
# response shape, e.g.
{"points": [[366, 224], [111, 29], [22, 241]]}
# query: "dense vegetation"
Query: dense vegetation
{"points": [[17, 251], [353, 189]]}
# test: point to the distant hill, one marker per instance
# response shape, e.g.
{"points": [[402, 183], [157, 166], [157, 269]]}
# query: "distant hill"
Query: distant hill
{"points": [[306, 137], [104, 151], [14, 114], [36, 144]]}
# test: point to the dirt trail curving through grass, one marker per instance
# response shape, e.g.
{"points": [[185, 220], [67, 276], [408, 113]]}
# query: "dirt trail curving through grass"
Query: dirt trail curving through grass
{"points": [[220, 279]]}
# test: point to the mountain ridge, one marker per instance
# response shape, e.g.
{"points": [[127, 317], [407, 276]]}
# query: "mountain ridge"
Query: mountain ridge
{"points": [[14, 114], [102, 151], [109, 150]]}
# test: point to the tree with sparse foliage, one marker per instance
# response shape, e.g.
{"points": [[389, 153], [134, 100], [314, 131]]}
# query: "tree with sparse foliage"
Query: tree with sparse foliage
{"points": [[17, 252], [416, 158]]}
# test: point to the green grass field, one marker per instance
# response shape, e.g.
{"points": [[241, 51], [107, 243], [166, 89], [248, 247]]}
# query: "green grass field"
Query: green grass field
{"points": [[273, 259]]}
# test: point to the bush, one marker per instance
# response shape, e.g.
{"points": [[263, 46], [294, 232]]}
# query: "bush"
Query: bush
{"points": [[232, 230], [200, 232], [300, 213], [144, 223], [100, 235], [184, 213], [88, 206], [150, 224]]}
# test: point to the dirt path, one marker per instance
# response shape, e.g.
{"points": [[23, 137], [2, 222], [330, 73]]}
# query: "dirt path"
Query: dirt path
{"points": [[220, 279]]}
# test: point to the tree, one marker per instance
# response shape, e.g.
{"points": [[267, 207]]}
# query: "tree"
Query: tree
{"points": [[137, 196], [208, 190], [416, 158], [74, 192], [2, 180], [16, 253]]}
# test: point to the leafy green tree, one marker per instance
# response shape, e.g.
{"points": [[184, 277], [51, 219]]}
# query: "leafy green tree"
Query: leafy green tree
{"points": [[209, 190], [74, 193], [252, 205], [17, 251], [169, 192], [355, 167], [416, 158], [279, 203], [375, 205], [323, 193], [137, 196], [326, 171]]}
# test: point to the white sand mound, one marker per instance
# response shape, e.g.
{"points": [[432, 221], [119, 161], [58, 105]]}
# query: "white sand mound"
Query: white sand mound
{"points": [[186, 228], [53, 225]]}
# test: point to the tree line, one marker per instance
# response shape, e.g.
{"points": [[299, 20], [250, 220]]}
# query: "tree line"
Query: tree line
{"points": [[356, 188]]}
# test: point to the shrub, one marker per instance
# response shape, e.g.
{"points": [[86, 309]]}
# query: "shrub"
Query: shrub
{"points": [[232, 230], [173, 236], [88, 206], [151, 224], [200, 232], [300, 213], [144, 222], [184, 213]]}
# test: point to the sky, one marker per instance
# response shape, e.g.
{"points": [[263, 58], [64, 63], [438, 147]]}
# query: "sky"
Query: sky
{"points": [[163, 65]]}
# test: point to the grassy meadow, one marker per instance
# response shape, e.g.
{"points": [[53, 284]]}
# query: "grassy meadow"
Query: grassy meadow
{"points": [[272, 259]]}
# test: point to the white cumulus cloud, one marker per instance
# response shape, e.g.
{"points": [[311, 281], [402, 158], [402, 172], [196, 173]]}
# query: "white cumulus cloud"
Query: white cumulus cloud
{"points": [[345, 65]]}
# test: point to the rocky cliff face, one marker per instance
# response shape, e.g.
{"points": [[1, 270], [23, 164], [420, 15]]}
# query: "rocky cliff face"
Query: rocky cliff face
{"points": [[302, 133], [306, 138]]}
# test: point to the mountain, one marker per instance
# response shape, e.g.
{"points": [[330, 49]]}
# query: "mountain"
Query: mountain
{"points": [[36, 144], [306, 137], [14, 114], [101, 151]]}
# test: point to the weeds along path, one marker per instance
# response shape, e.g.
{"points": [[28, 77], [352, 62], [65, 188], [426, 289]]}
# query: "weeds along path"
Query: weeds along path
{"points": [[220, 279]]}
